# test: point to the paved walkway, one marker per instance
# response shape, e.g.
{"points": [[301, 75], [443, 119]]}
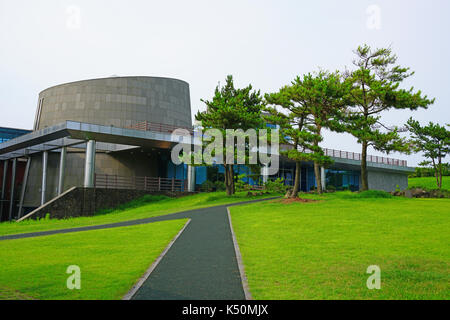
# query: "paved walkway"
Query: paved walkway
{"points": [[201, 264]]}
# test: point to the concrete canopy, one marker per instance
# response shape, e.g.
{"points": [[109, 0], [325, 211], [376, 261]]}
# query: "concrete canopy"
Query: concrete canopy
{"points": [[75, 134]]}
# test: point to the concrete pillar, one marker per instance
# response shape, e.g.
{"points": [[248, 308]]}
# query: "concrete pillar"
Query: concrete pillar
{"points": [[13, 184], [322, 178], [5, 172], [89, 165], [62, 168], [190, 178], [24, 187], [44, 176], [264, 171]]}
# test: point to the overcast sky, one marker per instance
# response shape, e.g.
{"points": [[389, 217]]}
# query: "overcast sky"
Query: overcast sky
{"points": [[265, 43]]}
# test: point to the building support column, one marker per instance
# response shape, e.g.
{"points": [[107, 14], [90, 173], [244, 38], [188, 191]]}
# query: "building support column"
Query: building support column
{"points": [[13, 184], [62, 168], [24, 187], [44, 176], [89, 165], [5, 172], [190, 178], [264, 171], [322, 178]]}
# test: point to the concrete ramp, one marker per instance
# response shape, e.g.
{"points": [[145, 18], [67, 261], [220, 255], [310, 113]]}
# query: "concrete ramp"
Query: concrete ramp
{"points": [[37, 213]]}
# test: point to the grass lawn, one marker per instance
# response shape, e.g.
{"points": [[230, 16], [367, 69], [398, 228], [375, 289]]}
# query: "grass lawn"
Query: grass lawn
{"points": [[110, 260], [321, 250], [429, 182], [155, 206]]}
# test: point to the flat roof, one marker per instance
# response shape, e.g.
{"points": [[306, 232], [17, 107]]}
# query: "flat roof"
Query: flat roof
{"points": [[15, 129]]}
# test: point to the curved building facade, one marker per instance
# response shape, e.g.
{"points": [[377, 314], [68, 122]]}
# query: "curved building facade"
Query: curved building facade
{"points": [[119, 102]]}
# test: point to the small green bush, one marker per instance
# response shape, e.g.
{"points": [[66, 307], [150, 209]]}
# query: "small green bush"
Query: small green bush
{"points": [[276, 186], [220, 185], [240, 184], [424, 171], [207, 186], [372, 194], [45, 218]]}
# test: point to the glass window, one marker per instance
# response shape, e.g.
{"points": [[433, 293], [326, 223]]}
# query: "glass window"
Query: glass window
{"points": [[342, 179]]}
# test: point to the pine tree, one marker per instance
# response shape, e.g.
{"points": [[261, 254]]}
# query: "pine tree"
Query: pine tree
{"points": [[375, 88], [232, 108], [434, 141], [308, 105]]}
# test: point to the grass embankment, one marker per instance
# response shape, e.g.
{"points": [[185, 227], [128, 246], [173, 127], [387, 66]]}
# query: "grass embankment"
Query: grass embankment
{"points": [[148, 206], [428, 183], [321, 250], [110, 261]]}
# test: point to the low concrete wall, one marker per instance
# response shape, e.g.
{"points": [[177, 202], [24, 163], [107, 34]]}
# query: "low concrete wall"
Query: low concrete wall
{"points": [[77, 202], [387, 181]]}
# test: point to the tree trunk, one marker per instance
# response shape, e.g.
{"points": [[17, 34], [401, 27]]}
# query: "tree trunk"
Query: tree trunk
{"points": [[364, 174], [318, 177], [436, 173], [316, 164], [232, 178], [440, 173], [295, 190], [228, 181]]}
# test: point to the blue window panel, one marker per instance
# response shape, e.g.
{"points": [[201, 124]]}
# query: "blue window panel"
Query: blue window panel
{"points": [[176, 171], [243, 169], [252, 182], [311, 179], [200, 175], [288, 178], [345, 180], [10, 133], [179, 173], [356, 181], [170, 169]]}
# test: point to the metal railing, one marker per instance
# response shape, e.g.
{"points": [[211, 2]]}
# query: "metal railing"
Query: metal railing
{"points": [[357, 156], [138, 183], [166, 128]]}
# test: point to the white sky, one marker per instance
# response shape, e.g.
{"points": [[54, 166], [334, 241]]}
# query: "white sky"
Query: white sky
{"points": [[265, 43]]}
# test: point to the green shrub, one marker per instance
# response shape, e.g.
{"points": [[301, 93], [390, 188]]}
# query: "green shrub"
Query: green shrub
{"points": [[372, 194], [423, 171], [46, 217], [220, 185], [207, 186], [241, 185], [276, 186]]}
